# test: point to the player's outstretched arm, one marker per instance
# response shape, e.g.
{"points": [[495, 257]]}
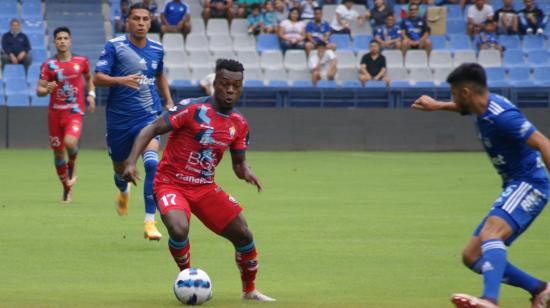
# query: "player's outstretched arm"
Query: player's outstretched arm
{"points": [[242, 170], [159, 127], [104, 80], [539, 142], [427, 103]]}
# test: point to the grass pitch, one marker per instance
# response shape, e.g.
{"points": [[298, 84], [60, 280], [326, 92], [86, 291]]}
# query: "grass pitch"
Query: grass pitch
{"points": [[334, 229]]}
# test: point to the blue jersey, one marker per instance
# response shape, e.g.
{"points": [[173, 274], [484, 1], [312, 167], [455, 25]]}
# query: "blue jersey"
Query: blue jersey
{"points": [[388, 34], [415, 28], [318, 31], [504, 130], [487, 38], [175, 11], [126, 106]]}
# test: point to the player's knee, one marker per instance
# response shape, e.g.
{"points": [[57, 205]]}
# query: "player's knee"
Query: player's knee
{"points": [[468, 258], [178, 227], [244, 236], [70, 143]]}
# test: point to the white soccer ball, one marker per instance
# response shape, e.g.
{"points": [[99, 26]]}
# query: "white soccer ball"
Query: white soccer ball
{"points": [[193, 286]]}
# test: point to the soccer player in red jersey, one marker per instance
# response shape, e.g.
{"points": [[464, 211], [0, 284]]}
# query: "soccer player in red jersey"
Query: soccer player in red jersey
{"points": [[202, 129], [61, 78]]}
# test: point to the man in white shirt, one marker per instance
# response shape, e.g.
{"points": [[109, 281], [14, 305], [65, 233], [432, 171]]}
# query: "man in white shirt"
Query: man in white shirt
{"points": [[322, 64], [478, 14], [344, 16]]}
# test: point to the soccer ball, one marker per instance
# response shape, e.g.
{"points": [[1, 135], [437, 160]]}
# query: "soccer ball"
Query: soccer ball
{"points": [[193, 286]]}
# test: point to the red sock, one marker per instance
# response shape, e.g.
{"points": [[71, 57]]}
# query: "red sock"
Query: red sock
{"points": [[180, 253], [61, 168], [247, 262]]}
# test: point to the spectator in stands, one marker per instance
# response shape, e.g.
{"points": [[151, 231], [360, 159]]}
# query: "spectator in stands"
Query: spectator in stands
{"points": [[120, 19], [155, 15], [416, 31], [373, 64], [281, 11], [218, 9], [269, 17], [322, 64], [292, 32], [207, 84], [532, 19], [379, 13], [245, 7], [317, 31], [344, 16], [255, 20], [488, 39], [406, 8], [15, 46], [478, 14], [507, 18], [175, 17], [389, 36], [307, 8]]}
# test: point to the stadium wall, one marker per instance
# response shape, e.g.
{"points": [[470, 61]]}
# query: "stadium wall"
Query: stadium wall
{"points": [[297, 129]]}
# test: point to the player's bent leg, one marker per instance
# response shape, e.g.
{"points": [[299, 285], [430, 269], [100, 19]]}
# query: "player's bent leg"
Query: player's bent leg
{"points": [[150, 162], [177, 224], [123, 196], [61, 169], [71, 144]]}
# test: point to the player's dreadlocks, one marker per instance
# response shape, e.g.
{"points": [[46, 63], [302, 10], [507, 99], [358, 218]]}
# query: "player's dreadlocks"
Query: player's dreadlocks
{"points": [[230, 65]]}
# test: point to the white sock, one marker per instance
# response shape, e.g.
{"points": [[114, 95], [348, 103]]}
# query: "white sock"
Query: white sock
{"points": [[149, 217]]}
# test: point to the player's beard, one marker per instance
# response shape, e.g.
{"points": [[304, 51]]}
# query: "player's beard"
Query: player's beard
{"points": [[463, 108]]}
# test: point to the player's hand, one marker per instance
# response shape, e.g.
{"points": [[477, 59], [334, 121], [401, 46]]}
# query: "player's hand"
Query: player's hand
{"points": [[130, 81], [169, 104], [131, 174], [91, 104], [251, 178], [51, 86], [425, 103]]}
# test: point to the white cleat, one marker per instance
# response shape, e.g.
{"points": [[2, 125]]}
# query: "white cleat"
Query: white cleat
{"points": [[469, 301], [542, 300], [257, 296]]}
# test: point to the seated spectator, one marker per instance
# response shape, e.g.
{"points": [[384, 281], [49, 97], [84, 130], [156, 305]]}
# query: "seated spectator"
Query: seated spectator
{"points": [[507, 18], [478, 14], [15, 46], [416, 31], [292, 32], [532, 19], [373, 65], [155, 19], [269, 17], [317, 31], [255, 20], [307, 7], [281, 11], [344, 16], [487, 39], [120, 19], [218, 9], [207, 84], [406, 8], [245, 7], [175, 17], [379, 13], [322, 64], [389, 36]]}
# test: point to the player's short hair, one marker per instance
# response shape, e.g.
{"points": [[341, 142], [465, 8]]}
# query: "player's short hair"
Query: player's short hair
{"points": [[138, 6], [59, 30], [469, 73], [229, 65]]}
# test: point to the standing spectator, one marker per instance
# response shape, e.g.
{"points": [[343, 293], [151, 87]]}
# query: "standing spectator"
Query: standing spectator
{"points": [[317, 31], [344, 16], [292, 32], [389, 36], [269, 17], [532, 19], [322, 64], [507, 18], [155, 15], [218, 9], [373, 64], [487, 39], [281, 11], [120, 19], [379, 13], [478, 14], [307, 8], [245, 7], [416, 31], [255, 20], [175, 17], [15, 46]]}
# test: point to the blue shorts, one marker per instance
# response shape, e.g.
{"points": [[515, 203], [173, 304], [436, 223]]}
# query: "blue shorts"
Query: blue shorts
{"points": [[519, 204], [120, 142]]}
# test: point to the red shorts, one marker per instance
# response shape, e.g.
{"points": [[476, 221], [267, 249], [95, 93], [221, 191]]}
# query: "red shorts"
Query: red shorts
{"points": [[213, 206], [61, 124]]}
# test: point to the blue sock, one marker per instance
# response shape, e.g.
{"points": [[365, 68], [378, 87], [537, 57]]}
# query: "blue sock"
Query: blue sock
{"points": [[150, 162], [493, 266], [120, 183]]}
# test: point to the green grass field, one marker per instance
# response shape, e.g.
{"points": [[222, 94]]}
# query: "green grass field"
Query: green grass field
{"points": [[334, 229]]}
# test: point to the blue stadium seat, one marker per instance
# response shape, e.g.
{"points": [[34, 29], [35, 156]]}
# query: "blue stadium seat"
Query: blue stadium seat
{"points": [[39, 55], [532, 42], [326, 84], [510, 41], [14, 72], [520, 76], [424, 84], [495, 73], [253, 83], [513, 58], [460, 42], [538, 58], [350, 84], [266, 42], [400, 84], [30, 26], [375, 84], [8, 9], [361, 42], [37, 101], [456, 26], [278, 84], [33, 73], [302, 84], [37, 40], [542, 76], [31, 9], [181, 83], [342, 41], [16, 87], [438, 41], [17, 100], [454, 11]]}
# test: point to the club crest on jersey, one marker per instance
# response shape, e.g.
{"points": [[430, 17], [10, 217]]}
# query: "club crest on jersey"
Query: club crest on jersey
{"points": [[76, 67], [154, 65], [232, 131]]}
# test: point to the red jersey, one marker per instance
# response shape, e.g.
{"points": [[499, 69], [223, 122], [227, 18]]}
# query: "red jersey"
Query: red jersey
{"points": [[200, 135], [69, 93]]}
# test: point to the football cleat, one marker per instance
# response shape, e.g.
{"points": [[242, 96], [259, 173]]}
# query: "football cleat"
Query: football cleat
{"points": [[257, 296], [122, 202], [67, 195], [469, 301], [151, 232], [542, 300]]}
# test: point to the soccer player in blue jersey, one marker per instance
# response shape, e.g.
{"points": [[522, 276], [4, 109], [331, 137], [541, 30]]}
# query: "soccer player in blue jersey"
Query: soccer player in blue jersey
{"points": [[519, 153], [132, 67]]}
